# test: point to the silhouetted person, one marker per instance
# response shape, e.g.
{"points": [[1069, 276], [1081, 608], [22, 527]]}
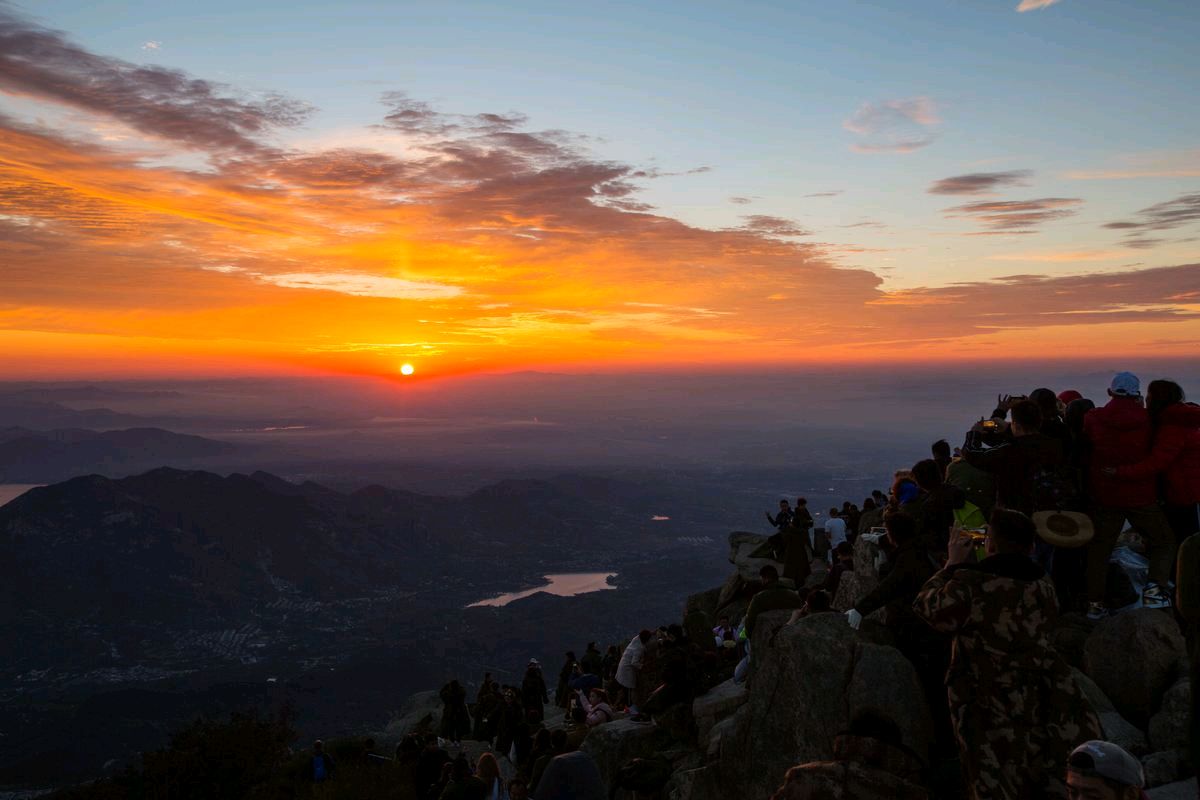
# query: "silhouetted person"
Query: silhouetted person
{"points": [[534, 694], [321, 763], [941, 455]]}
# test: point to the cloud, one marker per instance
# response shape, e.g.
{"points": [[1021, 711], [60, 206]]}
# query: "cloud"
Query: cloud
{"points": [[741, 201], [773, 226], [516, 245], [363, 285], [1159, 164], [980, 182], [42, 64], [833, 193], [151, 45], [893, 126], [1061, 257], [1183, 210], [1033, 5], [1016, 216]]}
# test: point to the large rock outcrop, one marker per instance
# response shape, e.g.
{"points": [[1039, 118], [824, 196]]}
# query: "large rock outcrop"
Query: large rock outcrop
{"points": [[809, 680], [1169, 727], [1134, 658], [864, 577], [746, 554]]}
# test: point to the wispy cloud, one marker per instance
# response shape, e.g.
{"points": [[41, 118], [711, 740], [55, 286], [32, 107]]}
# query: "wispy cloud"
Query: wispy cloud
{"points": [[833, 193], [1061, 256], [362, 285], [980, 182], [39, 63], [893, 126], [773, 226], [151, 45], [740, 201], [1016, 216], [1179, 212], [1033, 5], [1160, 164]]}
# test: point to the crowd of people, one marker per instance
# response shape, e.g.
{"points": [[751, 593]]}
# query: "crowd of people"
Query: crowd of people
{"points": [[982, 547], [987, 543]]}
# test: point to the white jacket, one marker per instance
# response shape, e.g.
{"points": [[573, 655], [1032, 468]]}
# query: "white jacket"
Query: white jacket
{"points": [[631, 663]]}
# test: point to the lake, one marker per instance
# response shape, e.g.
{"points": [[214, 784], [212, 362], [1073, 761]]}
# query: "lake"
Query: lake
{"points": [[11, 491], [566, 584]]}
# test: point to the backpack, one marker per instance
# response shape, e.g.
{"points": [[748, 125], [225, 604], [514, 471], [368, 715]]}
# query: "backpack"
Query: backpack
{"points": [[1053, 489]]}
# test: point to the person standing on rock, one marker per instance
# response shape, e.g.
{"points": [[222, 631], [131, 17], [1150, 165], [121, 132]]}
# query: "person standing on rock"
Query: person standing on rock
{"points": [[1016, 709], [630, 668], [534, 694], [562, 693], [592, 662], [456, 720], [783, 518], [1120, 435]]}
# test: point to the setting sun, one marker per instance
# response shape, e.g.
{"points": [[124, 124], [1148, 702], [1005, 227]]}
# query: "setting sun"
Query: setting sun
{"points": [[406, 369]]}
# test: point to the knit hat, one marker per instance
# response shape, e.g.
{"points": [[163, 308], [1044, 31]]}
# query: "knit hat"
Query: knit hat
{"points": [[1066, 397]]}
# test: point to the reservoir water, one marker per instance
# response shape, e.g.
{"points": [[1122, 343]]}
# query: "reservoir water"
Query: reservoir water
{"points": [[566, 584], [11, 491]]}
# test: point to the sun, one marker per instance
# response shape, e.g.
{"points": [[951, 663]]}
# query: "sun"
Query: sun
{"points": [[406, 369]]}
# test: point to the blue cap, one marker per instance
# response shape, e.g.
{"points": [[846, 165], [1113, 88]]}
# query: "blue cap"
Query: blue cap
{"points": [[1125, 384]]}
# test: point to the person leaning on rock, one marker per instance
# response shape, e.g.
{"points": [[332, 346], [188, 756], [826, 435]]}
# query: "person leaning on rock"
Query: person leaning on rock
{"points": [[1016, 709]]}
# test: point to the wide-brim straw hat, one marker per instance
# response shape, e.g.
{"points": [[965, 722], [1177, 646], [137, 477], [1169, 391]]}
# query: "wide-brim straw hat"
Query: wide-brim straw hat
{"points": [[1064, 528]]}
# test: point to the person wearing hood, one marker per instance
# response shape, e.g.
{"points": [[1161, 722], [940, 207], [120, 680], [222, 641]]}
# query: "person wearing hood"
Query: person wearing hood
{"points": [[534, 695], [1119, 434], [1175, 455], [1016, 709]]}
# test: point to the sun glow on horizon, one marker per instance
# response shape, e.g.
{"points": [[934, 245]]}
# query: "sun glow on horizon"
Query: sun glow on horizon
{"points": [[407, 369]]}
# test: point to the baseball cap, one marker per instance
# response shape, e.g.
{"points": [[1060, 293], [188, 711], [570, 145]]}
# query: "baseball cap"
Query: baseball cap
{"points": [[1126, 384], [1106, 760]]}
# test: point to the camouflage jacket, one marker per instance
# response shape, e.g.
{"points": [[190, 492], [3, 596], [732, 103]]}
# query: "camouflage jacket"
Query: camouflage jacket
{"points": [[998, 612]]}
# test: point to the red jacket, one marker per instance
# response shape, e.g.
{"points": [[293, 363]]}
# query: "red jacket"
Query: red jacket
{"points": [[1176, 454], [1120, 436]]}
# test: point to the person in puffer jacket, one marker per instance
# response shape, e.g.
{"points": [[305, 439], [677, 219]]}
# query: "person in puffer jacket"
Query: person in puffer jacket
{"points": [[1175, 455], [1119, 434]]}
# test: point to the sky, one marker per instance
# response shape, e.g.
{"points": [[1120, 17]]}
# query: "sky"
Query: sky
{"points": [[234, 188]]}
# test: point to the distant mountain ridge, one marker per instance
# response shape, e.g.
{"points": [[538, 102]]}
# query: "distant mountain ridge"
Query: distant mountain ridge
{"points": [[33, 456]]}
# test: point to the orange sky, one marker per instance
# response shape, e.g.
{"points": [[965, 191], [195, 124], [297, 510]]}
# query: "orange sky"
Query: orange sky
{"points": [[178, 236]]}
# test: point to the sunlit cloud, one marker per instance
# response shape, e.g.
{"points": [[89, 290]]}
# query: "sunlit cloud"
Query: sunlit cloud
{"points": [[1061, 257], [466, 236], [1016, 216], [362, 285], [1033, 5]]}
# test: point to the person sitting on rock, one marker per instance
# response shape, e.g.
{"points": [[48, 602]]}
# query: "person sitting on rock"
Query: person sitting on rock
{"points": [[518, 789], [843, 561], [571, 776], [1016, 709], [1099, 770], [463, 785], [773, 596], [817, 601], [595, 706]]}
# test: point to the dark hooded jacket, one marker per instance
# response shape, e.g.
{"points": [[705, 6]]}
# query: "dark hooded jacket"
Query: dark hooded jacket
{"points": [[1015, 463]]}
